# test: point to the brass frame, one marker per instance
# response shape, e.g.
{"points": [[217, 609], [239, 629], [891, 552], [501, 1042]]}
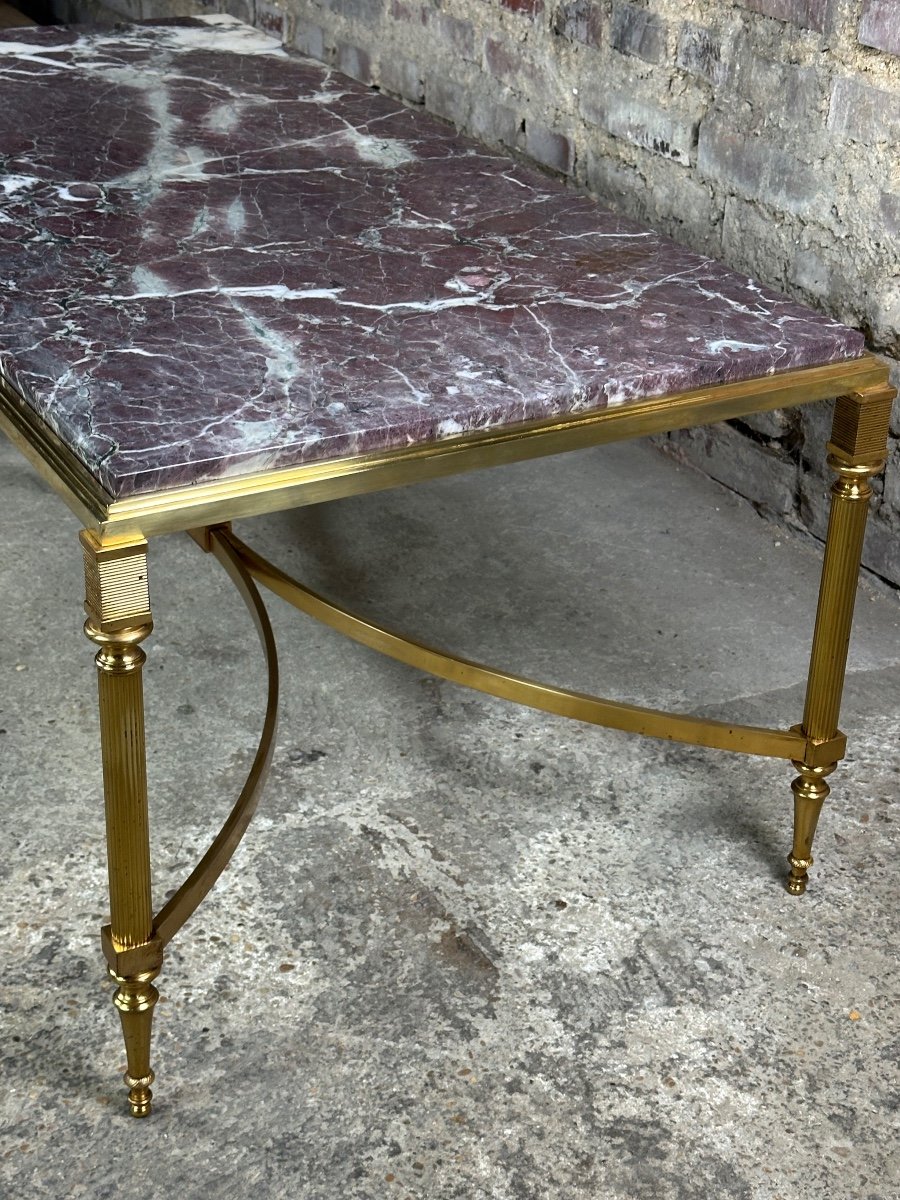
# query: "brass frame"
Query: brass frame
{"points": [[119, 618], [231, 497]]}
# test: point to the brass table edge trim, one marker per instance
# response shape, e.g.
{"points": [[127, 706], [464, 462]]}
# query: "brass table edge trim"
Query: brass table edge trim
{"points": [[231, 497]]}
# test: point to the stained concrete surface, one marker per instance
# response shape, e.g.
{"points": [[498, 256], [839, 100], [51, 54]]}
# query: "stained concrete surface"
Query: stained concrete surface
{"points": [[466, 950]]}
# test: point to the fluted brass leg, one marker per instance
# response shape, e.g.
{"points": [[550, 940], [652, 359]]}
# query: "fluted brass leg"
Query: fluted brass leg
{"points": [[118, 608], [857, 452]]}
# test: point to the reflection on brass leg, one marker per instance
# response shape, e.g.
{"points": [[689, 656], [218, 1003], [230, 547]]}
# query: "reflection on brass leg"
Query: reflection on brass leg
{"points": [[118, 608], [857, 452], [135, 1000], [810, 792]]}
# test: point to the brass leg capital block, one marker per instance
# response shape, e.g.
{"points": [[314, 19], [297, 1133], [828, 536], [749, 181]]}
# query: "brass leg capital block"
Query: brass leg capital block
{"points": [[116, 587]]}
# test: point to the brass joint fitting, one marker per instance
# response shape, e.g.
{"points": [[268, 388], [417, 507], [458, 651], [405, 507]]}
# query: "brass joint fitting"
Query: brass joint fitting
{"points": [[203, 535], [822, 753], [128, 962]]}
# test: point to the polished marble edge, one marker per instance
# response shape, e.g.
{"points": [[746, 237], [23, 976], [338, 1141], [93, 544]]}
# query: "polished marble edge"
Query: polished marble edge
{"points": [[230, 498]]}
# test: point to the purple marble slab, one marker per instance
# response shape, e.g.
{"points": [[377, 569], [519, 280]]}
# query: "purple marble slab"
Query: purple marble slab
{"points": [[218, 258]]}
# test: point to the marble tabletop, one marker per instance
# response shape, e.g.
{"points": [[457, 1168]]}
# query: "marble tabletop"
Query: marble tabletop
{"points": [[220, 258]]}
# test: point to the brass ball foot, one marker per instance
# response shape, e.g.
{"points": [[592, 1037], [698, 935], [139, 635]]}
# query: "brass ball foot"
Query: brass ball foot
{"points": [[799, 876], [139, 1095]]}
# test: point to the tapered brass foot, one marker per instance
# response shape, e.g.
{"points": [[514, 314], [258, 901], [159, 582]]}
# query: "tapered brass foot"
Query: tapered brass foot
{"points": [[810, 792], [135, 999]]}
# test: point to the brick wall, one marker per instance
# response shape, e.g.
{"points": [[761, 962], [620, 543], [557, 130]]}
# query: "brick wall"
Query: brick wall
{"points": [[763, 132]]}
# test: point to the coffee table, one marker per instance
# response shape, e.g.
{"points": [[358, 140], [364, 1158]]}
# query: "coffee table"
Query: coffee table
{"points": [[237, 282]]}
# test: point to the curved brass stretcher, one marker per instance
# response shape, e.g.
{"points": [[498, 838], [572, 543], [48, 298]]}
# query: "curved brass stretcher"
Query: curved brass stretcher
{"points": [[119, 619]]}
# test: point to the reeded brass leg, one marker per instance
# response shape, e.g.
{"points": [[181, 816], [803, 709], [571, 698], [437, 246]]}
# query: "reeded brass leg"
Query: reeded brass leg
{"points": [[857, 452], [118, 608]]}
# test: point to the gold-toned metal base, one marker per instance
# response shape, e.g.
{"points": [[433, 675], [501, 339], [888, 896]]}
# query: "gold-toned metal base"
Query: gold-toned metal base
{"points": [[135, 1000], [118, 607], [612, 714], [810, 793], [857, 452], [119, 619]]}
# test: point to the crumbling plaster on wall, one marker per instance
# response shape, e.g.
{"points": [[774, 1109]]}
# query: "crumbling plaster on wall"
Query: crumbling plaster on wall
{"points": [[763, 132]]}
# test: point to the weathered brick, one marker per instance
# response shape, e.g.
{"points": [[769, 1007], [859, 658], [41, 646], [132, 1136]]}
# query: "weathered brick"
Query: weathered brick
{"points": [[894, 365], [309, 39], [618, 186], [367, 12], [755, 167], [815, 502], [815, 431], [744, 465], [132, 10], [458, 35], [777, 425], [448, 98], [881, 551], [863, 113], [579, 21], [661, 130], [670, 200], [353, 61], [153, 10], [879, 25], [403, 76], [892, 477], [413, 14], [885, 315], [808, 14], [700, 52], [679, 205], [638, 32], [506, 62], [778, 93], [527, 8], [753, 242], [552, 149], [493, 122], [244, 10], [811, 273], [269, 18]]}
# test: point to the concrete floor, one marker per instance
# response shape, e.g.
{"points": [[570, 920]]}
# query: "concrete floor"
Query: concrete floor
{"points": [[465, 951]]}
